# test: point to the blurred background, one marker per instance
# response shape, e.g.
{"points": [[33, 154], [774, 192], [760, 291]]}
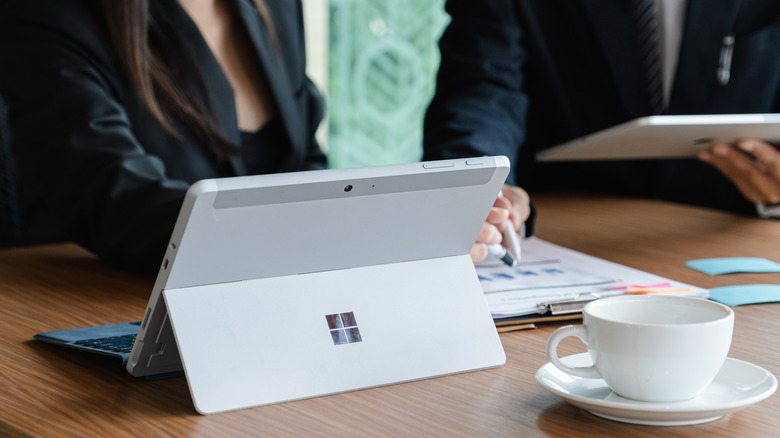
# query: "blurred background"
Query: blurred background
{"points": [[375, 61]]}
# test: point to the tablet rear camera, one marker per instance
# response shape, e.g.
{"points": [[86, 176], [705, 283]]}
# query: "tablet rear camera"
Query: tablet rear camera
{"points": [[348, 188]]}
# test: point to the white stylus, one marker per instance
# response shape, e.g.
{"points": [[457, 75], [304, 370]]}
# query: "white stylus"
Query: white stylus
{"points": [[501, 253], [512, 240]]}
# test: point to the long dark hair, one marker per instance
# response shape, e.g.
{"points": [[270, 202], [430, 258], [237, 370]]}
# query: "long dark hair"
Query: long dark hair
{"points": [[147, 53]]}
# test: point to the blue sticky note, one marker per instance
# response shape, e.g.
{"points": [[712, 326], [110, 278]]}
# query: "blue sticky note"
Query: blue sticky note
{"points": [[731, 265], [746, 294]]}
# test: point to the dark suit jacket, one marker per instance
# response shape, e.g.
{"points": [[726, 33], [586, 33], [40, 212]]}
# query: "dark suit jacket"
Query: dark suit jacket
{"points": [[94, 166], [518, 76]]}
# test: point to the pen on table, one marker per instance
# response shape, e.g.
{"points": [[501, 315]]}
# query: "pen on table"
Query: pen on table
{"points": [[502, 254], [514, 327]]}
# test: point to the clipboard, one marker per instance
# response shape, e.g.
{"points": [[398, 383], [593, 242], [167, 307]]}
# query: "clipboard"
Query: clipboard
{"points": [[553, 283], [559, 311]]}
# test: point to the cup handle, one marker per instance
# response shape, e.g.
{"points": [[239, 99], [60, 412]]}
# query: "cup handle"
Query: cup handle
{"points": [[579, 331]]}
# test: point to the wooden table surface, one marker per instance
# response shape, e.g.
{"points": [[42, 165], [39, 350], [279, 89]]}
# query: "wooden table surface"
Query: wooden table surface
{"points": [[50, 391]]}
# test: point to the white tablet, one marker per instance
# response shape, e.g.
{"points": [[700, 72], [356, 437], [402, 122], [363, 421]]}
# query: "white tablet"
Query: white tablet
{"points": [[665, 137], [294, 285]]}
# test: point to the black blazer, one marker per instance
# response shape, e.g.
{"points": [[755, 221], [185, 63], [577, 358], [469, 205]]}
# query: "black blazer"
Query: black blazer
{"points": [[94, 166], [518, 76]]}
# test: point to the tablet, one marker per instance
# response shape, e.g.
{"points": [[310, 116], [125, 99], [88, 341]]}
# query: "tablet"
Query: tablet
{"points": [[294, 285], [659, 137]]}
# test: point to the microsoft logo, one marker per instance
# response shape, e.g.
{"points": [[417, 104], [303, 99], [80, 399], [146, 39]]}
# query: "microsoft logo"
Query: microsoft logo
{"points": [[343, 328]]}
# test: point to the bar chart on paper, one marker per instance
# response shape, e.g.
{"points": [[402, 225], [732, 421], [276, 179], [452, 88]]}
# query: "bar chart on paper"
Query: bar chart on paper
{"points": [[549, 273]]}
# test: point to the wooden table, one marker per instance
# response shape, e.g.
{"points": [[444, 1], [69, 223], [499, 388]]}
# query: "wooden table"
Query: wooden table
{"points": [[49, 391]]}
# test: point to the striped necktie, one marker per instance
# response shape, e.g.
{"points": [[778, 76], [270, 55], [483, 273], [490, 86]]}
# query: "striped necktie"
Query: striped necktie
{"points": [[647, 32]]}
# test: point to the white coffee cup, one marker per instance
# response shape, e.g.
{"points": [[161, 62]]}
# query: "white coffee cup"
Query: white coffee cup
{"points": [[653, 348]]}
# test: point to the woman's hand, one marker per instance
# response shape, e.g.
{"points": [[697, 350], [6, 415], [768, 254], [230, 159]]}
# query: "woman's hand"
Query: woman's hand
{"points": [[517, 201], [513, 204]]}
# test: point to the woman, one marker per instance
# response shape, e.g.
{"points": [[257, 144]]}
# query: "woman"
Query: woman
{"points": [[116, 107]]}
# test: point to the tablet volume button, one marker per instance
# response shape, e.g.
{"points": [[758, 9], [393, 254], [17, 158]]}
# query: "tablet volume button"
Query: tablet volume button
{"points": [[438, 165]]}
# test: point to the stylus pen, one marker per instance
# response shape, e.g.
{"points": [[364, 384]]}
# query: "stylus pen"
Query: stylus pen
{"points": [[513, 242], [510, 237], [501, 253]]}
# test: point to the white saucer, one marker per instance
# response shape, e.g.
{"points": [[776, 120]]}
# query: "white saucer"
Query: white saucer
{"points": [[737, 385]]}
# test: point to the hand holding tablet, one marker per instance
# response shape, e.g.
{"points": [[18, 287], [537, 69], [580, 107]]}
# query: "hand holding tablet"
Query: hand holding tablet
{"points": [[661, 137]]}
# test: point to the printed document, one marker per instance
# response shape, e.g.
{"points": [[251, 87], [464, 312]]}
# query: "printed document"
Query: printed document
{"points": [[549, 273]]}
